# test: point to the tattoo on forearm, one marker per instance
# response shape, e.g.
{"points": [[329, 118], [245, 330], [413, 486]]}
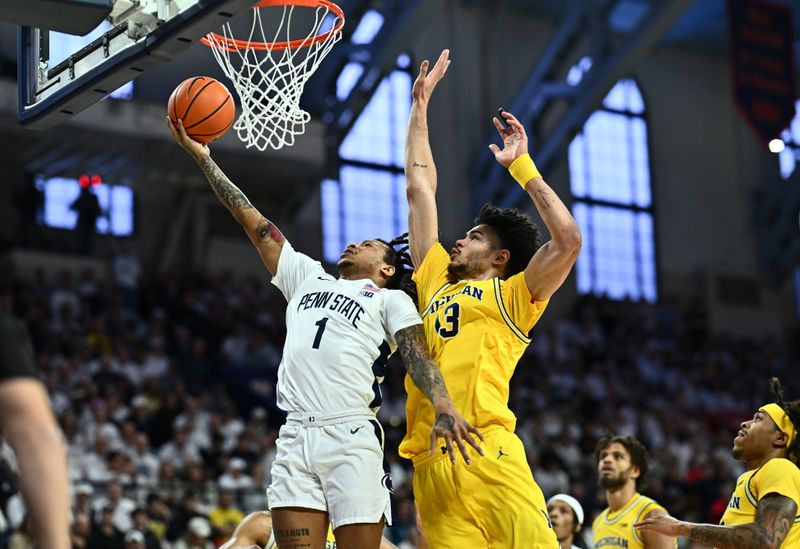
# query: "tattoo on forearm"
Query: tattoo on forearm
{"points": [[542, 198], [423, 370], [416, 164], [267, 232], [228, 193], [775, 517]]}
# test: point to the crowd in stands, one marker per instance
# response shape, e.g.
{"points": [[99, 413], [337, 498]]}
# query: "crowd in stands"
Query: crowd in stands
{"points": [[165, 388]]}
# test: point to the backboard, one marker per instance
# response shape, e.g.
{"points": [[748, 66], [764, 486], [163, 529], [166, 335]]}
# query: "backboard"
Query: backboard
{"points": [[58, 79]]}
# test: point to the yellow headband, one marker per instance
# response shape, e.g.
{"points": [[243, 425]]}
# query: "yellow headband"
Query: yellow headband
{"points": [[782, 420]]}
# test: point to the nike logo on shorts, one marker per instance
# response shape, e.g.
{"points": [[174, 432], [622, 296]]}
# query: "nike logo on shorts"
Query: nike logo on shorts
{"points": [[354, 431]]}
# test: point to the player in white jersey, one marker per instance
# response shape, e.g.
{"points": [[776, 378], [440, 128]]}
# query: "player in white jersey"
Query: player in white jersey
{"points": [[329, 464]]}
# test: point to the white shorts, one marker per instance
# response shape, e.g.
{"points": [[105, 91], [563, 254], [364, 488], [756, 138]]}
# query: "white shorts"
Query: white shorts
{"points": [[332, 464]]}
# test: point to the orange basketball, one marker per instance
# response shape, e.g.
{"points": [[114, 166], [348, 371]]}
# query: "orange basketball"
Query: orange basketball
{"points": [[204, 105]]}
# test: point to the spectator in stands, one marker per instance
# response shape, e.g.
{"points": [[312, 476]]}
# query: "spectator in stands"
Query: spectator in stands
{"points": [[104, 534], [197, 535], [225, 515], [80, 531], [140, 525], [134, 540], [121, 507]]}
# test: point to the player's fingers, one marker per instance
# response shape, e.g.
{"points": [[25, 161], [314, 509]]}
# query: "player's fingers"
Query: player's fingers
{"points": [[462, 448], [494, 148], [476, 431], [423, 68], [499, 126], [451, 452], [432, 449], [474, 443], [171, 127]]}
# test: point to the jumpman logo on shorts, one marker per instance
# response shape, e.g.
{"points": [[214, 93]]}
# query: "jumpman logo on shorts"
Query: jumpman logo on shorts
{"points": [[501, 453]]}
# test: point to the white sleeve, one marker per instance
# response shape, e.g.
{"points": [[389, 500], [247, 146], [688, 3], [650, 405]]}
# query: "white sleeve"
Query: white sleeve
{"points": [[398, 312], [293, 269]]}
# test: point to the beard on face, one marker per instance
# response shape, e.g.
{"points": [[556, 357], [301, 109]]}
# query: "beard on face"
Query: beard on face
{"points": [[614, 483]]}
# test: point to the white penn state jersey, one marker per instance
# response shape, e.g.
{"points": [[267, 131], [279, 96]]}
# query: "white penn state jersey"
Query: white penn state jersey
{"points": [[334, 331]]}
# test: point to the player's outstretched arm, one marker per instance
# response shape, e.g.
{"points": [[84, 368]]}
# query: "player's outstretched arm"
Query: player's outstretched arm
{"points": [[551, 263], [423, 221], [252, 533], [264, 235], [657, 540], [449, 424], [776, 514]]}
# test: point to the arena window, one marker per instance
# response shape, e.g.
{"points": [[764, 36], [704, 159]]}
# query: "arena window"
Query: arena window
{"points": [[791, 140], [610, 181], [368, 200]]}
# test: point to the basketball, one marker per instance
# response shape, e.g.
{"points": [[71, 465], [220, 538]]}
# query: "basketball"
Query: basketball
{"points": [[205, 106]]}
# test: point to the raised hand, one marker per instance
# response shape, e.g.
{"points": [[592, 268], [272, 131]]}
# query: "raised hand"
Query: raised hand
{"points": [[195, 148], [515, 140], [451, 426], [426, 82]]}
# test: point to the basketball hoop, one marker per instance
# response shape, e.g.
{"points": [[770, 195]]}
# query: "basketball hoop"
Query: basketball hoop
{"points": [[269, 75]]}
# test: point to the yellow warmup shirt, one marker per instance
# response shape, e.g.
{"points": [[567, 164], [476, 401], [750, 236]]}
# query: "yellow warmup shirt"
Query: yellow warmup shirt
{"points": [[476, 332], [616, 530], [777, 476]]}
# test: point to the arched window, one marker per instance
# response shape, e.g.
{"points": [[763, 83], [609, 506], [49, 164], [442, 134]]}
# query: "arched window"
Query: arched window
{"points": [[610, 179]]}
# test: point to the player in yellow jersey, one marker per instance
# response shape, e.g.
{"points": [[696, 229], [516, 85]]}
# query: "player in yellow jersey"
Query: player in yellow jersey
{"points": [[478, 304], [255, 532], [763, 510], [622, 465]]}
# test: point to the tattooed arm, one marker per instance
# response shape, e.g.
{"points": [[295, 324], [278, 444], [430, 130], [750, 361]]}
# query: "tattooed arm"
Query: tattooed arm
{"points": [[423, 220], [550, 265], [776, 514], [449, 424], [264, 235]]}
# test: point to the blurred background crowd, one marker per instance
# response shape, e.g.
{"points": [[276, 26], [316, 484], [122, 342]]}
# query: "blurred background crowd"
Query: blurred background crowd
{"points": [[165, 393]]}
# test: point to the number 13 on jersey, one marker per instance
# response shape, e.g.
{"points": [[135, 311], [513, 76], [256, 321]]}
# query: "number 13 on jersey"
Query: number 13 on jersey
{"points": [[451, 316]]}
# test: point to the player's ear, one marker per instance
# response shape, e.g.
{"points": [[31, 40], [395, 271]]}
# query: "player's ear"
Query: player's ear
{"points": [[635, 472], [781, 441], [501, 257], [388, 270], [578, 527]]}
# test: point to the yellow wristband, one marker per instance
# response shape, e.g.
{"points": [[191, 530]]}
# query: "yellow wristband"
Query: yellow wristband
{"points": [[523, 170]]}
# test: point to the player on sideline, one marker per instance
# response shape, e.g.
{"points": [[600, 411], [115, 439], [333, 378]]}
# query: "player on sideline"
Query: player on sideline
{"points": [[478, 304], [31, 429], [255, 532], [622, 464], [330, 464], [566, 515], [763, 510]]}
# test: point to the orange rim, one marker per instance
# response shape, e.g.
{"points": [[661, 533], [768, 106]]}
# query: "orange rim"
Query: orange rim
{"points": [[231, 44]]}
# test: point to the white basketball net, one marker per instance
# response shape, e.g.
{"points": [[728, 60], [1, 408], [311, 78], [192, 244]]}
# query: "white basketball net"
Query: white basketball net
{"points": [[270, 81]]}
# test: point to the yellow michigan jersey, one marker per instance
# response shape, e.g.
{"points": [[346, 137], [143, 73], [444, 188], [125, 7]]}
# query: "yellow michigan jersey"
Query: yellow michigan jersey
{"points": [[615, 530], [777, 476], [476, 331]]}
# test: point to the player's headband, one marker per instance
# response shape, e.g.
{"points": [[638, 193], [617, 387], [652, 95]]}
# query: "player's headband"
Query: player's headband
{"points": [[782, 420]]}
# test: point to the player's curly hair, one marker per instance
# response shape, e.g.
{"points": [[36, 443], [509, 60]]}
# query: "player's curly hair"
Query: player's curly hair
{"points": [[792, 410], [639, 456], [516, 233], [398, 256]]}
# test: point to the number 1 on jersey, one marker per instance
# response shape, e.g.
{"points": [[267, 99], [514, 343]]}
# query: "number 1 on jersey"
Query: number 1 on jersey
{"points": [[321, 323]]}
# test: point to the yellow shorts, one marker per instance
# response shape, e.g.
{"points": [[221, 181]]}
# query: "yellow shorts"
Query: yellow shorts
{"points": [[492, 503]]}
